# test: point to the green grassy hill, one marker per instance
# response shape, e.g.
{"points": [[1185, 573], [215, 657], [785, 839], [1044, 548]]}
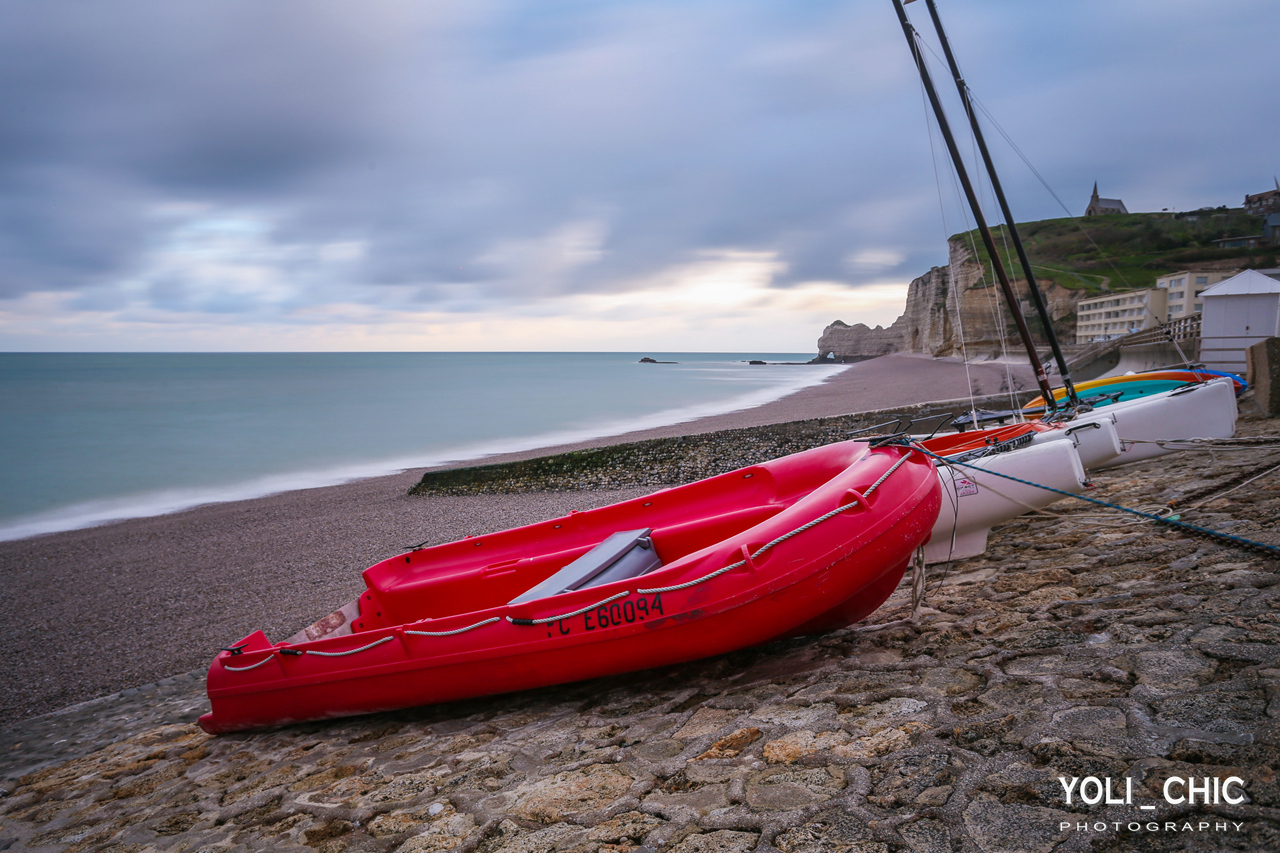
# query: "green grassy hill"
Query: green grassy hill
{"points": [[1128, 252]]}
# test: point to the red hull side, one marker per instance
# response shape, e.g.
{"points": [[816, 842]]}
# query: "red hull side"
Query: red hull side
{"points": [[853, 559]]}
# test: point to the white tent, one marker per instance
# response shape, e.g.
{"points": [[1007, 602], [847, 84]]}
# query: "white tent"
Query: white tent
{"points": [[1238, 312]]}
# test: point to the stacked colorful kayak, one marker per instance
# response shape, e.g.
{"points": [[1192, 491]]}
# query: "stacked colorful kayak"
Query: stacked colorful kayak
{"points": [[808, 542], [978, 492], [1131, 386], [1158, 424]]}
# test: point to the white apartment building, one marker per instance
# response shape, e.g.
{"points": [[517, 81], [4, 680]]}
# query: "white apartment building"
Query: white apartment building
{"points": [[1100, 318], [1184, 289]]}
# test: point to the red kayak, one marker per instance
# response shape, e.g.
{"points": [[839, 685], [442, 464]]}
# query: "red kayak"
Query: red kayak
{"points": [[955, 443], [808, 542]]}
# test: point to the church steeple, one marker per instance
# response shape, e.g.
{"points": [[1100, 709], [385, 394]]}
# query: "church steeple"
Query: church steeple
{"points": [[1098, 206]]}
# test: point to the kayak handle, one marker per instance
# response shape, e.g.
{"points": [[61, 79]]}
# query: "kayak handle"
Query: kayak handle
{"points": [[857, 496]]}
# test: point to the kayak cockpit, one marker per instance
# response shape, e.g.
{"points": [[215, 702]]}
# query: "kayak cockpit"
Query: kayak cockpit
{"points": [[621, 556], [437, 588]]}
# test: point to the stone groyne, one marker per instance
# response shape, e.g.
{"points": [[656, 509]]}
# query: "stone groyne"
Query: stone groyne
{"points": [[661, 462]]}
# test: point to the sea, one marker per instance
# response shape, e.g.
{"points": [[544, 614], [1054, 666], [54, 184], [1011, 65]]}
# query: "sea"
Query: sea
{"points": [[88, 438]]}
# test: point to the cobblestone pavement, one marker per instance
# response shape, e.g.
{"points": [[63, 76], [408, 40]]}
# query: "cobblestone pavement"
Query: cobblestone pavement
{"points": [[1080, 647]]}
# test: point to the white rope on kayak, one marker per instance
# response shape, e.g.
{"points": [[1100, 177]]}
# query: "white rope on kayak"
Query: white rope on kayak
{"points": [[783, 538], [230, 668], [364, 648], [349, 651], [714, 574], [274, 652], [488, 621], [577, 612]]}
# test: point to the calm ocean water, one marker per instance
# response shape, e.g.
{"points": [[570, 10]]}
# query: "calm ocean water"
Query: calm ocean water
{"points": [[92, 437]]}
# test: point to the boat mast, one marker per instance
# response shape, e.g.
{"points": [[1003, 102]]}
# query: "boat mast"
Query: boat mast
{"points": [[1037, 298], [1041, 379]]}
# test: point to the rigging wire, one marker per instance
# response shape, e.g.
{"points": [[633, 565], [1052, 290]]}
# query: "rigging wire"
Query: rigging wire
{"points": [[1030, 166], [993, 304], [997, 319], [953, 295], [962, 173], [1000, 327], [1045, 184], [997, 315]]}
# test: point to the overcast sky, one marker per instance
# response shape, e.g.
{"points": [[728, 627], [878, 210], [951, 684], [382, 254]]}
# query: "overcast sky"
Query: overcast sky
{"points": [[563, 174]]}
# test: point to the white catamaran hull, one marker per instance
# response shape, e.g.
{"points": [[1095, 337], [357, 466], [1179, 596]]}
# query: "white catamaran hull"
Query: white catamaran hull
{"points": [[1095, 440], [1207, 410], [974, 500]]}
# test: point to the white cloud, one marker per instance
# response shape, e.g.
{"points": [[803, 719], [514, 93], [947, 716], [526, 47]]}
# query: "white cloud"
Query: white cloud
{"points": [[875, 259], [725, 301]]}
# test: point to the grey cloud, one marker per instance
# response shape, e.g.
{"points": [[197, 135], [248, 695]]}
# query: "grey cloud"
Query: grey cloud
{"points": [[454, 142], [169, 293]]}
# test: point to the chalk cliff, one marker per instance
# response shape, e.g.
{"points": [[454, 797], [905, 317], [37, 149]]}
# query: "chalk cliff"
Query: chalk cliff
{"points": [[852, 343], [942, 320]]}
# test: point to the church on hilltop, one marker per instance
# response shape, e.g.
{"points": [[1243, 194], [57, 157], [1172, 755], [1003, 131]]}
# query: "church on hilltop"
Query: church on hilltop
{"points": [[1099, 206]]}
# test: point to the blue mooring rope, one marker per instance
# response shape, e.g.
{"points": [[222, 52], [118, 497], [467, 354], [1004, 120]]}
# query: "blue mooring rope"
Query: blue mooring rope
{"points": [[1237, 541]]}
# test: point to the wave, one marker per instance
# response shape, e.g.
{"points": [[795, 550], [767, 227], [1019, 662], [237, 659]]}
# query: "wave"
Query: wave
{"points": [[107, 510]]}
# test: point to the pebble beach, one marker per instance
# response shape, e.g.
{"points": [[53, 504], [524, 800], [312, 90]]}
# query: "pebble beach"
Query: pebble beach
{"points": [[1080, 645]]}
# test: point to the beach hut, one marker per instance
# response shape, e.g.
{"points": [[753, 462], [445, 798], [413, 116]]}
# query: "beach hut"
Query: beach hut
{"points": [[1239, 312]]}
